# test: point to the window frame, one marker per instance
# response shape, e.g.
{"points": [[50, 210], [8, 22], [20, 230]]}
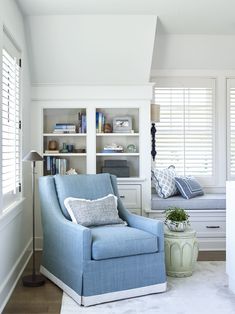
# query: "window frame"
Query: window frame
{"points": [[193, 82]]}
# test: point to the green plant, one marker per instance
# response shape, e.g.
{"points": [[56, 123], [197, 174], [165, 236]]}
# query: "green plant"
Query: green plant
{"points": [[177, 214]]}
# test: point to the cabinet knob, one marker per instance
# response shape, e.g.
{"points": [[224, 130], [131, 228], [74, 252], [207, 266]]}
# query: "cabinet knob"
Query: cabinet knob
{"points": [[213, 227], [122, 196]]}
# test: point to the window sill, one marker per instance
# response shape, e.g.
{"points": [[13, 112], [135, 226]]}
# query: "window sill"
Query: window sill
{"points": [[11, 212]]}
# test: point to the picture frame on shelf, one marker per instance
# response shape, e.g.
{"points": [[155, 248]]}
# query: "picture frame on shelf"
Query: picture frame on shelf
{"points": [[122, 124]]}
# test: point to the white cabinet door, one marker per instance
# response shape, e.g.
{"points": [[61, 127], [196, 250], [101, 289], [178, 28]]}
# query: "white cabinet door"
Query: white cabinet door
{"points": [[131, 197]]}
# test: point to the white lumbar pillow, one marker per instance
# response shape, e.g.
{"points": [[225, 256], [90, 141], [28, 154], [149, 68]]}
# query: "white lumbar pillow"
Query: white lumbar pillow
{"points": [[102, 211]]}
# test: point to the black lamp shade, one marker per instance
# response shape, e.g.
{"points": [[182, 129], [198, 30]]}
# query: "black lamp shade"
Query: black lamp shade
{"points": [[32, 156]]}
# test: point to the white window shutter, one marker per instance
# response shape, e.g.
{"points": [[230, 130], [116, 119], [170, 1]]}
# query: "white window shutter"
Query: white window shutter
{"points": [[185, 133], [10, 132], [231, 127]]}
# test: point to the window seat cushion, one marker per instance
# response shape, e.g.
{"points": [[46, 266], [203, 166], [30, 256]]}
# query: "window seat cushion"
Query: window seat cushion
{"points": [[206, 201]]}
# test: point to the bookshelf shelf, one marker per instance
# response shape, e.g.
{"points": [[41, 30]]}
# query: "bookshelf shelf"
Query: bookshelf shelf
{"points": [[66, 155], [118, 154], [64, 135], [117, 134]]}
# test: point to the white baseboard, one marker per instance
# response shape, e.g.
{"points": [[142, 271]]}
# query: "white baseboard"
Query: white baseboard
{"points": [[8, 285], [212, 244]]}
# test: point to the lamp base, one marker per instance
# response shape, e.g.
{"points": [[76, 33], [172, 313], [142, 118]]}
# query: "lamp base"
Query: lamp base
{"points": [[33, 281]]}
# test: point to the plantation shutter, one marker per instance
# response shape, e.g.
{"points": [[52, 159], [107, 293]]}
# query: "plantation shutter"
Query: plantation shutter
{"points": [[10, 116], [185, 133], [231, 127]]}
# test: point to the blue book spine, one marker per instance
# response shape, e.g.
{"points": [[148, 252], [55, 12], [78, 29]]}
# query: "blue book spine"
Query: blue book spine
{"points": [[83, 123], [97, 122]]}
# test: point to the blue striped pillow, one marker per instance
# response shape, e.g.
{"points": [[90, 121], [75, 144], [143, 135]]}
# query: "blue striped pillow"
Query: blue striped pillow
{"points": [[189, 187]]}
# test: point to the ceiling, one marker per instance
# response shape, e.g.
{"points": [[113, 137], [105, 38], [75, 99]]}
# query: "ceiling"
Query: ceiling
{"points": [[215, 17]]}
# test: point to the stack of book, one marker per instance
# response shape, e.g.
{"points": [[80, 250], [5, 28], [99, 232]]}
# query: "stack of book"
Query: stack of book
{"points": [[61, 128], [81, 122], [55, 165], [112, 149], [100, 121]]}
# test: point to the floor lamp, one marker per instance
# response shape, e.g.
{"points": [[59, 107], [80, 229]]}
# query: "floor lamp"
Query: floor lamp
{"points": [[155, 117], [33, 280]]}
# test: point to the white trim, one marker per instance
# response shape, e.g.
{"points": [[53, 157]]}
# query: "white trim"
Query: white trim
{"points": [[39, 243], [106, 297], [124, 294], [10, 282], [11, 212], [74, 295]]}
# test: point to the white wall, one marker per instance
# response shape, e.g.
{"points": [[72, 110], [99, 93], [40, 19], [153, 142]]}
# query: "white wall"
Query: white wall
{"points": [[15, 225], [91, 49], [201, 56], [205, 52]]}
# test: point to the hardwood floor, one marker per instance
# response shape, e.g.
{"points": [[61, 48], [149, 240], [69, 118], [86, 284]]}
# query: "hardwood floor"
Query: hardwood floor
{"points": [[212, 256], [47, 299], [26, 300]]}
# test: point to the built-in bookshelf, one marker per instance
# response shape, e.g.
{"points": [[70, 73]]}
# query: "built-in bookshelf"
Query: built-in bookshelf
{"points": [[89, 155], [66, 129], [124, 139]]}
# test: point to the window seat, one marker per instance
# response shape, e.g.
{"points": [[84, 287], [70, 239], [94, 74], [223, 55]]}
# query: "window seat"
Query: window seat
{"points": [[207, 217], [207, 201]]}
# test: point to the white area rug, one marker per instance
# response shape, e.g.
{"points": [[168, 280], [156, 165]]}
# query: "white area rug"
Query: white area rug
{"points": [[206, 292]]}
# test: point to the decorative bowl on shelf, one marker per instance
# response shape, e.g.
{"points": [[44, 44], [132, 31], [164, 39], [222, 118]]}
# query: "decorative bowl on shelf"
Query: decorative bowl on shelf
{"points": [[131, 148]]}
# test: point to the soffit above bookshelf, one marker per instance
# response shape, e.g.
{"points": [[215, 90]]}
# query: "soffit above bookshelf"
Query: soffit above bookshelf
{"points": [[91, 49], [92, 93]]}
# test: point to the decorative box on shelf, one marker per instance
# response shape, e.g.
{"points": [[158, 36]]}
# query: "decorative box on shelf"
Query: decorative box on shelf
{"points": [[116, 167]]}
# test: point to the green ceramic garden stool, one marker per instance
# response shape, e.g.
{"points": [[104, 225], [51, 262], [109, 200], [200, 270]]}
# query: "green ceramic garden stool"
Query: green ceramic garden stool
{"points": [[181, 251]]}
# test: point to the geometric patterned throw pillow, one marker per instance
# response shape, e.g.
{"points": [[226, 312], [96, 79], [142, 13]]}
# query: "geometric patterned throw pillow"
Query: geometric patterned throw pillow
{"points": [[189, 187], [164, 182]]}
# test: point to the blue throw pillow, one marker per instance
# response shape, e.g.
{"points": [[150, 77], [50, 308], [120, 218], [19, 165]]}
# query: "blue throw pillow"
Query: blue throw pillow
{"points": [[188, 187]]}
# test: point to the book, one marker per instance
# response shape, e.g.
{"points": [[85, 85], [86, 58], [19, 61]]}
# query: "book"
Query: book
{"points": [[61, 166], [79, 122], [64, 131], [52, 151], [97, 122], [83, 123]]}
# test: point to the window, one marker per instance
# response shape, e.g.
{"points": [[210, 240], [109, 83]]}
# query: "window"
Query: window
{"points": [[231, 127], [10, 124], [185, 133]]}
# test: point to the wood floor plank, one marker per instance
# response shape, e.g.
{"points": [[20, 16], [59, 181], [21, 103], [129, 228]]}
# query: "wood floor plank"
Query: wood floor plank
{"points": [[39, 300]]}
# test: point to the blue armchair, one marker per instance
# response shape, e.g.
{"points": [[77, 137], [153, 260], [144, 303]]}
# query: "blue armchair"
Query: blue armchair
{"points": [[99, 264]]}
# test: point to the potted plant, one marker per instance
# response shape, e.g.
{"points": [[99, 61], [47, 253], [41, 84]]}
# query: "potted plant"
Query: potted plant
{"points": [[176, 219]]}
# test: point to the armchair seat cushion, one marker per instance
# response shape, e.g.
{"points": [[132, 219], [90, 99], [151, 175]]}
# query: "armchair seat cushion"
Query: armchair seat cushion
{"points": [[119, 241]]}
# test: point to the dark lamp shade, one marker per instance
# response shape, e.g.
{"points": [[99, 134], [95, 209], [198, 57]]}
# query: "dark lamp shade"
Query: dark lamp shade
{"points": [[32, 156]]}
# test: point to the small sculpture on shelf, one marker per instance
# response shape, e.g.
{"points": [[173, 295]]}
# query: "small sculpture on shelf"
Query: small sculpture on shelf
{"points": [[131, 148], [64, 149], [108, 128], [52, 148], [71, 171]]}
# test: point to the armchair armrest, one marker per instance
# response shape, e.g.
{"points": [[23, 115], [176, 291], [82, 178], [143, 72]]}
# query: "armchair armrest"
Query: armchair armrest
{"points": [[149, 225]]}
